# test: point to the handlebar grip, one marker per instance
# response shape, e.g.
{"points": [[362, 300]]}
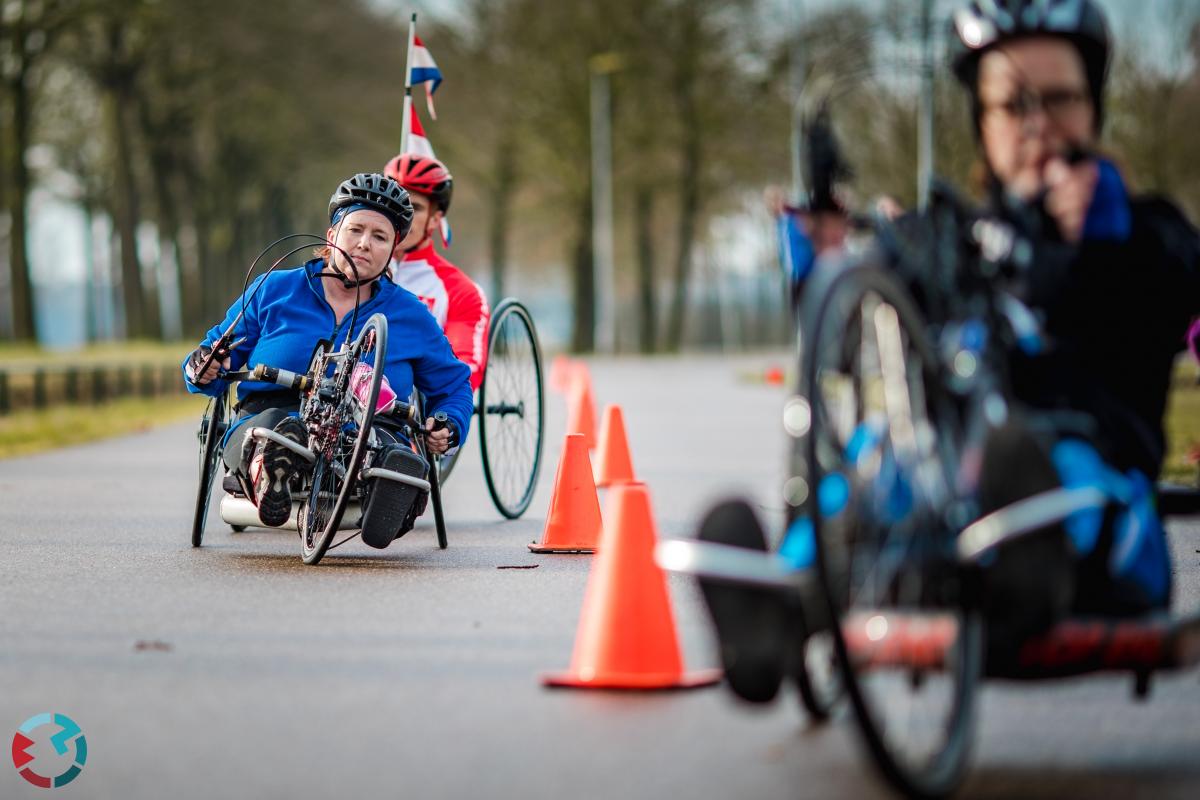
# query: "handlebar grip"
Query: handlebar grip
{"points": [[282, 377], [439, 420], [403, 411]]}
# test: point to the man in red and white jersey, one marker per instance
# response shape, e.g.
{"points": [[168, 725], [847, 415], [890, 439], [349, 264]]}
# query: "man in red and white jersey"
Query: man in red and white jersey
{"points": [[456, 301]]}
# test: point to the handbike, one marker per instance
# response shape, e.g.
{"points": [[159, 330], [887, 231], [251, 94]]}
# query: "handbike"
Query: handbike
{"points": [[338, 397], [887, 426], [332, 493]]}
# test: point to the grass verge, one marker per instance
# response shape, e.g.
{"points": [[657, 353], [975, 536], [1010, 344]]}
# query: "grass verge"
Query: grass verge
{"points": [[28, 432], [1182, 427], [113, 353]]}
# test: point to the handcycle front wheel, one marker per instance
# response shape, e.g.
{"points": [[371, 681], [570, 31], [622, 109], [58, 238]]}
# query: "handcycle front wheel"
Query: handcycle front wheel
{"points": [[211, 436], [877, 460], [342, 440], [818, 680], [510, 409]]}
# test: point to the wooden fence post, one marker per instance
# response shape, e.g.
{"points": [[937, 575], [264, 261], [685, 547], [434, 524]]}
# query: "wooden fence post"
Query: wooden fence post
{"points": [[99, 386], [39, 388]]}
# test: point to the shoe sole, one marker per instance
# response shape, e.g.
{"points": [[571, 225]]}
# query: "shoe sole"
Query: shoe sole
{"points": [[275, 504], [751, 623], [390, 500]]}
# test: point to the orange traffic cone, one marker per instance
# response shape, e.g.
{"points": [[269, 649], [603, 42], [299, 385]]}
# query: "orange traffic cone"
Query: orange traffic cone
{"points": [[581, 410], [613, 464], [562, 373], [626, 637], [573, 523]]}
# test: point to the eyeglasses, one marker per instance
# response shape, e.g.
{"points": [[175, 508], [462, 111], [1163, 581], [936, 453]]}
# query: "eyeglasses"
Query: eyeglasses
{"points": [[1058, 105]]}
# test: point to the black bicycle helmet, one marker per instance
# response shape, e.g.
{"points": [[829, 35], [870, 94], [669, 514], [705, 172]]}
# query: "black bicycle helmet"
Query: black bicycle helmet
{"points": [[378, 193], [982, 24]]}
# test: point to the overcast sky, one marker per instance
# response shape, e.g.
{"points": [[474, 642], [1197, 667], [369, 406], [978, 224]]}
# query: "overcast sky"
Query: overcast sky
{"points": [[1149, 25]]}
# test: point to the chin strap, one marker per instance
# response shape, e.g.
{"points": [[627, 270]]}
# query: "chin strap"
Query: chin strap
{"points": [[346, 282]]}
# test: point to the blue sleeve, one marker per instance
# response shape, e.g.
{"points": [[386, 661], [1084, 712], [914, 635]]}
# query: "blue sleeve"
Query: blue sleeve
{"points": [[247, 327], [443, 379], [795, 249]]}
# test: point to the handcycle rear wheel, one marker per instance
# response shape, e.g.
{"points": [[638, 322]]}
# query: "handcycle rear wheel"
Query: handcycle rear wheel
{"points": [[211, 436], [511, 409], [878, 461], [341, 444]]}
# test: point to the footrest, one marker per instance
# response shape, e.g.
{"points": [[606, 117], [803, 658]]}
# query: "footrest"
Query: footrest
{"points": [[888, 639]]}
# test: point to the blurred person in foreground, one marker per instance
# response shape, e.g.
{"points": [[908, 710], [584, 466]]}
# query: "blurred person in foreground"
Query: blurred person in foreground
{"points": [[1114, 279]]}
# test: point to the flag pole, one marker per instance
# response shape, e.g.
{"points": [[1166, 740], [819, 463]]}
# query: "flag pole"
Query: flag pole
{"points": [[406, 123]]}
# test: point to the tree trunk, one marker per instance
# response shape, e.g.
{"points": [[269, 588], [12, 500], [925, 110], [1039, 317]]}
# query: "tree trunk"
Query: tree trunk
{"points": [[22, 286], [133, 295], [503, 189], [689, 207], [643, 214], [685, 89], [167, 215], [583, 330], [191, 291]]}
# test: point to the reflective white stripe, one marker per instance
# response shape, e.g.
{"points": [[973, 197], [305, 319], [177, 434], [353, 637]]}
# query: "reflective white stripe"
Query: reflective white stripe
{"points": [[728, 563], [1024, 517]]}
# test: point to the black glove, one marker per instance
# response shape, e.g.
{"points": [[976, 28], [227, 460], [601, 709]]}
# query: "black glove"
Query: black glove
{"points": [[454, 435], [196, 361], [440, 420]]}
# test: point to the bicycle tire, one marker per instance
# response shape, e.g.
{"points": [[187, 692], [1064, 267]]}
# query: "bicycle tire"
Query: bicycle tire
{"points": [[511, 409], [319, 521], [850, 544], [212, 430]]}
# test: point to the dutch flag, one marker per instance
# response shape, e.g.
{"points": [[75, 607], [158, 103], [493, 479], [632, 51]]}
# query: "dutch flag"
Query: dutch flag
{"points": [[425, 71], [417, 141]]}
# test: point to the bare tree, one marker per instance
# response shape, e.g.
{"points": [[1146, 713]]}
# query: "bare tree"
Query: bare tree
{"points": [[28, 28]]}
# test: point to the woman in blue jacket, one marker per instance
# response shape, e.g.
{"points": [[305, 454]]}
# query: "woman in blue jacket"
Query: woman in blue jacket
{"points": [[288, 311]]}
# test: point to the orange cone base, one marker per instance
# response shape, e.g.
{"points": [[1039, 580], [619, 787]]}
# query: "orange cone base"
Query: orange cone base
{"points": [[535, 547], [634, 681]]}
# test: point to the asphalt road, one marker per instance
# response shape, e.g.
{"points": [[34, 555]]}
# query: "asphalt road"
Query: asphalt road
{"points": [[235, 671]]}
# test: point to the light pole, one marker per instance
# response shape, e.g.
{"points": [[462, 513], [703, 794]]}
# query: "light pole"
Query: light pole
{"points": [[601, 67], [925, 123], [796, 79]]}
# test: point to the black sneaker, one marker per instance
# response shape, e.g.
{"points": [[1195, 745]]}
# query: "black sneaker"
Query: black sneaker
{"points": [[273, 471], [753, 624], [392, 507]]}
